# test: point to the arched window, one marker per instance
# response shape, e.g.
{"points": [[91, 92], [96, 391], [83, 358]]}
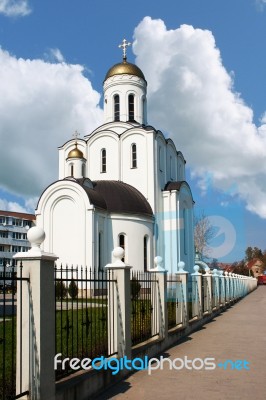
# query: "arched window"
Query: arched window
{"points": [[116, 108], [71, 170], [145, 253], [131, 110], [83, 170], [133, 155], [122, 243], [103, 160]]}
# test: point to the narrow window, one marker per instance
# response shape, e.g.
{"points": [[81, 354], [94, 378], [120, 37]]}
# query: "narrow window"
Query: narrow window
{"points": [[143, 108], [100, 261], [131, 115], [122, 244], [103, 160], [160, 159], [171, 168], [133, 155], [145, 254], [83, 170], [116, 108], [71, 170]]}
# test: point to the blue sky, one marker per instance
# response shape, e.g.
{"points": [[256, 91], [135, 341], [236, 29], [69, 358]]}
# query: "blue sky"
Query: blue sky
{"points": [[54, 56]]}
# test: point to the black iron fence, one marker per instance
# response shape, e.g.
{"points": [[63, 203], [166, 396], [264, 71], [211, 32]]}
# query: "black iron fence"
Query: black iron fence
{"points": [[11, 281], [81, 322], [144, 306]]}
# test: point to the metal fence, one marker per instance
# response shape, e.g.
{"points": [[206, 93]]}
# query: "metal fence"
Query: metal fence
{"points": [[11, 281], [144, 306], [81, 321], [175, 301]]}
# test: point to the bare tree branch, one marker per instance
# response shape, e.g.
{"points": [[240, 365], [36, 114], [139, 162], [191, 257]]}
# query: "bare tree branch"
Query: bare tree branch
{"points": [[203, 234]]}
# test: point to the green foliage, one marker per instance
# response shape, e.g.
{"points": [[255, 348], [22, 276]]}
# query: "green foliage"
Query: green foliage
{"points": [[60, 290], [135, 287], [73, 290], [241, 268], [253, 252]]}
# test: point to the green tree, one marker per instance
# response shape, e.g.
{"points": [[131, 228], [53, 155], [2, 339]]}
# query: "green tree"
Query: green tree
{"points": [[241, 268], [73, 290], [254, 252], [60, 290], [135, 287], [249, 253]]}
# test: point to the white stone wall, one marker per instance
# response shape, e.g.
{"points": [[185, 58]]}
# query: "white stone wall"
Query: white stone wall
{"points": [[134, 228], [124, 85], [66, 215]]}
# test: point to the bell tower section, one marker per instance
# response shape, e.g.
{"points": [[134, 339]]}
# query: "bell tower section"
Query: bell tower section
{"points": [[125, 90]]}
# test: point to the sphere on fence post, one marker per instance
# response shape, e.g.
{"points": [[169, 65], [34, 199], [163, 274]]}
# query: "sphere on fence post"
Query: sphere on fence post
{"points": [[158, 264], [36, 236]]}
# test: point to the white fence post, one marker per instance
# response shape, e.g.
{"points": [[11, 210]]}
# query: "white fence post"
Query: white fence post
{"points": [[216, 292], [162, 313], [119, 306], [36, 340], [207, 284], [222, 288], [197, 292], [183, 293], [227, 287]]}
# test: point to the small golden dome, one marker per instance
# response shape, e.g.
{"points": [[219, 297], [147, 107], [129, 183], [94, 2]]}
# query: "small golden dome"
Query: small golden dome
{"points": [[124, 68], [75, 153]]}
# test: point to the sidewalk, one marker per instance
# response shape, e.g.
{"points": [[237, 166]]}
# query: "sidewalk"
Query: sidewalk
{"points": [[237, 334]]}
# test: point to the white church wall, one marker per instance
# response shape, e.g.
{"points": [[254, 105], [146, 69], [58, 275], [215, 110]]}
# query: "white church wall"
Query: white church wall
{"points": [[63, 153], [135, 229], [187, 251], [171, 229], [171, 162], [118, 127], [123, 85], [65, 214], [135, 176], [161, 160], [100, 141], [181, 168]]}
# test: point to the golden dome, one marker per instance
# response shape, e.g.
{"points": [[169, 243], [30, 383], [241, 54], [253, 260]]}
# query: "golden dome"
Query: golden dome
{"points": [[124, 68], [75, 153]]}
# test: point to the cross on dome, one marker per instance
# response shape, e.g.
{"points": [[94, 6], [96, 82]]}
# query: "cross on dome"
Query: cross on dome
{"points": [[124, 46], [76, 135]]}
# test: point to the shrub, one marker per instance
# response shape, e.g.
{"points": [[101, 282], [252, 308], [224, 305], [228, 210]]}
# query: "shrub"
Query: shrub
{"points": [[60, 290], [73, 290], [135, 287]]}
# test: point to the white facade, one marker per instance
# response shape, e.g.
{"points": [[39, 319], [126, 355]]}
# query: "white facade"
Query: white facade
{"points": [[124, 179]]}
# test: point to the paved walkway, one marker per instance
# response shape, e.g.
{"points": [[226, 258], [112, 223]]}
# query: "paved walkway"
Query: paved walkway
{"points": [[237, 334]]}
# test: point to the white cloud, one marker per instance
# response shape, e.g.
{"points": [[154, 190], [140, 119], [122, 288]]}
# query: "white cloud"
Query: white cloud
{"points": [[43, 105], [15, 8], [191, 96], [260, 4], [12, 206], [55, 55]]}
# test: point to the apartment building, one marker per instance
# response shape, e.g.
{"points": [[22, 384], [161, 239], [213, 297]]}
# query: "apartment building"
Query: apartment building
{"points": [[13, 234]]}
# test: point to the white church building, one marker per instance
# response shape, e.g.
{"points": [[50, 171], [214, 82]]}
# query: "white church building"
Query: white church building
{"points": [[123, 184]]}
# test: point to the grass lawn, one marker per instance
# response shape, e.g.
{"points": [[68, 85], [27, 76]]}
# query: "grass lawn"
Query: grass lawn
{"points": [[7, 357]]}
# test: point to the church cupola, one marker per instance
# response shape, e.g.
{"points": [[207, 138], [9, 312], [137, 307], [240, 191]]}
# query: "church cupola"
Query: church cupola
{"points": [[125, 89], [76, 163]]}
